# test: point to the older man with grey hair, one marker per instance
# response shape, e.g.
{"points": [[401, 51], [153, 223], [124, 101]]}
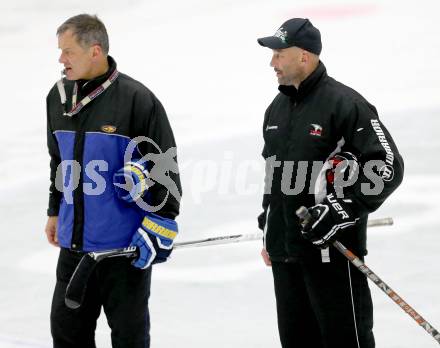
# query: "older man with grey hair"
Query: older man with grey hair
{"points": [[93, 115]]}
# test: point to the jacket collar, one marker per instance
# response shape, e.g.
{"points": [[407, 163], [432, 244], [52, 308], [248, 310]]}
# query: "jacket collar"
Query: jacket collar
{"points": [[87, 86], [306, 86]]}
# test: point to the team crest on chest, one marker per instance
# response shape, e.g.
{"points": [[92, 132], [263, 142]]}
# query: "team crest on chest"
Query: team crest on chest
{"points": [[315, 129], [108, 128]]}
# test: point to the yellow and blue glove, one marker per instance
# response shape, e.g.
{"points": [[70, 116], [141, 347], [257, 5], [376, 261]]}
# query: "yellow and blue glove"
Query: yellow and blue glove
{"points": [[132, 181], [154, 239]]}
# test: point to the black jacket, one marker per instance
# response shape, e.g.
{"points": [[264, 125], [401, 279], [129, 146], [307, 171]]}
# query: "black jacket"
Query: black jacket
{"points": [[311, 124], [101, 131]]}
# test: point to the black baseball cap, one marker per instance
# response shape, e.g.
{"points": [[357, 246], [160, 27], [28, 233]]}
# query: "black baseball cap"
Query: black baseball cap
{"points": [[298, 32]]}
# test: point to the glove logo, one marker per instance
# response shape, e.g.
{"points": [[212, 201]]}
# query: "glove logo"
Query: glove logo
{"points": [[336, 206]]}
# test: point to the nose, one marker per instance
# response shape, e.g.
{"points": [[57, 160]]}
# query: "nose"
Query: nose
{"points": [[62, 58], [272, 62]]}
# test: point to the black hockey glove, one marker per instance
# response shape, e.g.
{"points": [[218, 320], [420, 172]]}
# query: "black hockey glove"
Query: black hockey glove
{"points": [[327, 220], [333, 214]]}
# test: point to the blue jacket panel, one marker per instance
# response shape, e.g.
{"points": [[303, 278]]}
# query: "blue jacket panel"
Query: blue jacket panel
{"points": [[90, 216], [108, 221]]}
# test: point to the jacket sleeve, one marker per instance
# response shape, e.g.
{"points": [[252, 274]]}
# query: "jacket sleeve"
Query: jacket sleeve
{"points": [[55, 160], [265, 204], [154, 124], [381, 165], [266, 195]]}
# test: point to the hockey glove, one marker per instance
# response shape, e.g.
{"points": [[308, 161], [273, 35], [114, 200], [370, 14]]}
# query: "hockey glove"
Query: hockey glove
{"points": [[154, 239], [333, 214], [132, 181], [342, 169], [327, 220]]}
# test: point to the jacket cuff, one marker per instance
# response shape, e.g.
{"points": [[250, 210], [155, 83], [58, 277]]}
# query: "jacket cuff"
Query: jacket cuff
{"points": [[53, 211]]}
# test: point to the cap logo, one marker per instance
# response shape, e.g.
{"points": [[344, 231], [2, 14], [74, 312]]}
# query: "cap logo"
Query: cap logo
{"points": [[281, 34]]}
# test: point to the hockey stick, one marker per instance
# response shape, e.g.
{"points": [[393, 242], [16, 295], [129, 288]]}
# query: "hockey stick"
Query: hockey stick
{"points": [[304, 215], [76, 288], [255, 236]]}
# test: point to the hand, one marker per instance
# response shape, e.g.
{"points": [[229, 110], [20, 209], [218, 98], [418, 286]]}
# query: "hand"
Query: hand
{"points": [[155, 239], [327, 220], [132, 181], [266, 258], [51, 230]]}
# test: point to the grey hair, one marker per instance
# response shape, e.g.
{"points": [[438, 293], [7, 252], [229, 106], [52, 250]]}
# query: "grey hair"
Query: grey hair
{"points": [[89, 30]]}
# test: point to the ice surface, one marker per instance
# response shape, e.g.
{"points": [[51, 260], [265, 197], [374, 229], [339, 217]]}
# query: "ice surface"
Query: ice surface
{"points": [[202, 60]]}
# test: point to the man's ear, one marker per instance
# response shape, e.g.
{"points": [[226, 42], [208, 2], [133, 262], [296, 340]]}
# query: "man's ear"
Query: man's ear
{"points": [[304, 57], [96, 51]]}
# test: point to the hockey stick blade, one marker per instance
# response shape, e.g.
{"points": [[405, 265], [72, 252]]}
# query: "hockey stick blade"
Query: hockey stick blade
{"points": [[76, 289], [77, 286]]}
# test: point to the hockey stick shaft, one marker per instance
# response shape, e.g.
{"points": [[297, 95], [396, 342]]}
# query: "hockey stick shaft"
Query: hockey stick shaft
{"points": [[76, 288], [235, 238], [360, 265], [304, 215], [127, 252], [255, 236]]}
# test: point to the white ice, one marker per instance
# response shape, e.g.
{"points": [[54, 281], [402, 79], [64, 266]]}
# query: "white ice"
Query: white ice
{"points": [[202, 60]]}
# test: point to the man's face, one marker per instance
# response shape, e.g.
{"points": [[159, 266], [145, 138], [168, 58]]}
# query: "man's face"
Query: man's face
{"points": [[77, 60], [287, 64]]}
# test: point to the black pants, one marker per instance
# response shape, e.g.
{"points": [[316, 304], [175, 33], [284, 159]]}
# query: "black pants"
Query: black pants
{"points": [[323, 305], [121, 289]]}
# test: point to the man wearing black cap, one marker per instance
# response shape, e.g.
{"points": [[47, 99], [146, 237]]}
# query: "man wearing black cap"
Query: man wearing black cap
{"points": [[325, 147]]}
